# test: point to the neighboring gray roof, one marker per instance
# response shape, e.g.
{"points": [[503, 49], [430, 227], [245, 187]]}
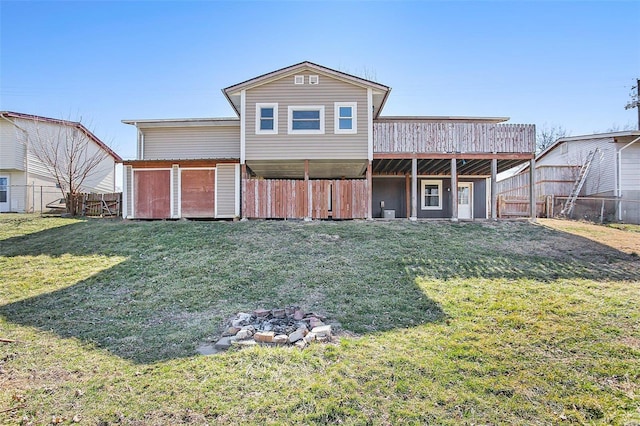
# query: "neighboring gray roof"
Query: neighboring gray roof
{"points": [[184, 122], [612, 135]]}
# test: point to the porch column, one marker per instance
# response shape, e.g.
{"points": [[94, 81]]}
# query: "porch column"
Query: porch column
{"points": [[414, 189], [369, 191], [243, 177], [532, 188], [454, 190], [494, 186], [407, 195], [309, 194]]}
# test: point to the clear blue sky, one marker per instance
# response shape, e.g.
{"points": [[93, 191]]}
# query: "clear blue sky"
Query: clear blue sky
{"points": [[560, 63]]}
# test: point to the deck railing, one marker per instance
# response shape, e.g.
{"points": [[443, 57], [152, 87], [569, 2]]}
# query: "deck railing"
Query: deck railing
{"points": [[443, 137]]}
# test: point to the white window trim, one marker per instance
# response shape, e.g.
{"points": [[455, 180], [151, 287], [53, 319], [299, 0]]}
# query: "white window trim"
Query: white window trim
{"points": [[336, 120], [298, 79], [259, 107], [305, 108], [423, 185], [314, 79]]}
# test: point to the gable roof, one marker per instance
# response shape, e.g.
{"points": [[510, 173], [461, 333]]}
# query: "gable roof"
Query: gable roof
{"points": [[75, 124], [610, 135], [380, 91]]}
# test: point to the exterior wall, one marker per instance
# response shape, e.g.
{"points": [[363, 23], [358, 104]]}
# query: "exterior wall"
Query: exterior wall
{"points": [[127, 196], [601, 177], [227, 192], [171, 143], [630, 170], [329, 145], [12, 149], [18, 190], [391, 190], [630, 206]]}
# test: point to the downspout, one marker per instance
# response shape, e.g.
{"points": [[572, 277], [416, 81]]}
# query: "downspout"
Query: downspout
{"points": [[619, 183], [26, 164]]}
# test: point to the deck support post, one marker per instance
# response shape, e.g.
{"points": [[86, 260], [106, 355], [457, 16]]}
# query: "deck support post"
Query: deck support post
{"points": [[309, 194], [369, 192], [243, 183], [414, 189], [407, 195], [532, 188], [454, 190], [494, 188]]}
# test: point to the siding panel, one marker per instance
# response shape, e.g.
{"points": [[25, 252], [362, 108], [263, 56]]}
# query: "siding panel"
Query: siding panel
{"points": [[226, 190], [630, 172], [172, 143], [11, 147], [299, 147]]}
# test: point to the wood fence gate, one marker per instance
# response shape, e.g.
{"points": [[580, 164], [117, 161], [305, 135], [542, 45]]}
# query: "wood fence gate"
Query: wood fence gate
{"points": [[297, 199]]}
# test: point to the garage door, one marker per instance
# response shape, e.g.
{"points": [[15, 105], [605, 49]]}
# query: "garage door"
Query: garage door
{"points": [[152, 196], [197, 193]]}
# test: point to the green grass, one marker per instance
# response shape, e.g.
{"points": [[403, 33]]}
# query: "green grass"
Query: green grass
{"points": [[440, 323]]}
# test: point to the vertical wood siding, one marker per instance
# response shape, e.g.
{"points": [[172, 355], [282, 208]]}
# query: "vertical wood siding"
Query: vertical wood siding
{"points": [[197, 193], [326, 146], [289, 199], [152, 194], [172, 143], [424, 137], [226, 190]]}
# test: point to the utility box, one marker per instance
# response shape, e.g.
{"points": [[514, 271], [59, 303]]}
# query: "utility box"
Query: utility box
{"points": [[389, 214]]}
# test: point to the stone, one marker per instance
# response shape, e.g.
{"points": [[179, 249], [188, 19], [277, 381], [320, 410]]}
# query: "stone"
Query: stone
{"points": [[298, 315], [289, 310], [310, 337], [281, 339], [264, 336], [278, 313], [250, 342], [205, 349], [300, 344], [249, 328], [322, 331], [298, 334], [243, 334], [231, 331], [261, 313], [315, 322], [223, 344]]}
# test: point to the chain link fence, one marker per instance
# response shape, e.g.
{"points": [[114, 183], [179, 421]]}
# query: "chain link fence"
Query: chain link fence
{"points": [[598, 209]]}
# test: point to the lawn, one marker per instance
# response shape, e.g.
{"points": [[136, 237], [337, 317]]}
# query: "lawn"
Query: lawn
{"points": [[438, 323]]}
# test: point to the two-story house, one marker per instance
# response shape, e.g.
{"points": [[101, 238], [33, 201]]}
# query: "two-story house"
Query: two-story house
{"points": [[310, 142], [27, 184]]}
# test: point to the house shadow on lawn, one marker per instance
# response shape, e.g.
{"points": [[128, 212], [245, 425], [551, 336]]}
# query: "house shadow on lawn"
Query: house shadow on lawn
{"points": [[182, 279]]}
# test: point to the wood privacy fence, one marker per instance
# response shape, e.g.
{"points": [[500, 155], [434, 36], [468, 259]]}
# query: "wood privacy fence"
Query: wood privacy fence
{"points": [[101, 205], [297, 199], [426, 137], [519, 207]]}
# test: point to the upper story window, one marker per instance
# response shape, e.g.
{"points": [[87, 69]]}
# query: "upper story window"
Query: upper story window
{"points": [[306, 119], [298, 79], [314, 79], [431, 195], [345, 120], [266, 119]]}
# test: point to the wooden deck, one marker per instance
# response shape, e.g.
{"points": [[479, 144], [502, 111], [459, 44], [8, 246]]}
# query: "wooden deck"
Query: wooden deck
{"points": [[452, 137]]}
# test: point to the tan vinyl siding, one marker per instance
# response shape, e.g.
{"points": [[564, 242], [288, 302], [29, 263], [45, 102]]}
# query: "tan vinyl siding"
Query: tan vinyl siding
{"points": [[629, 171], [226, 190], [175, 179], [11, 147], [181, 143], [284, 146]]}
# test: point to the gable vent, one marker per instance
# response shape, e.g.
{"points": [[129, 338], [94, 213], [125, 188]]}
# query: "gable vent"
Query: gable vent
{"points": [[313, 79]]}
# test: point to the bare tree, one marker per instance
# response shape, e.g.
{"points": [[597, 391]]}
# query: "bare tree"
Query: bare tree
{"points": [[615, 127], [69, 153], [548, 134]]}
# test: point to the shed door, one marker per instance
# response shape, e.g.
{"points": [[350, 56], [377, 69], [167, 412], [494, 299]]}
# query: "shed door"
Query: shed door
{"points": [[152, 194], [197, 188]]}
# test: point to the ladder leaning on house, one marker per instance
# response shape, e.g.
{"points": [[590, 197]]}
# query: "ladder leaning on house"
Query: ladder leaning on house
{"points": [[577, 185]]}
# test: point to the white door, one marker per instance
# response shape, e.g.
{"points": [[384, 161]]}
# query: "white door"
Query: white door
{"points": [[4, 194], [465, 200]]}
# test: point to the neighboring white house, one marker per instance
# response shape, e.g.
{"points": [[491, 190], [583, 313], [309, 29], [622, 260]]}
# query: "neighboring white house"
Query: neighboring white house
{"points": [[26, 184], [614, 171]]}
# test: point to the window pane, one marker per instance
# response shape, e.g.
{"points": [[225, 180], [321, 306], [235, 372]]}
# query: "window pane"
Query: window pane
{"points": [[266, 124], [345, 112], [345, 123], [308, 115], [266, 112], [306, 125]]}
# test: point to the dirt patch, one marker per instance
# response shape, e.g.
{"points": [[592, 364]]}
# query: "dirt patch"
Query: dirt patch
{"points": [[624, 241]]}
